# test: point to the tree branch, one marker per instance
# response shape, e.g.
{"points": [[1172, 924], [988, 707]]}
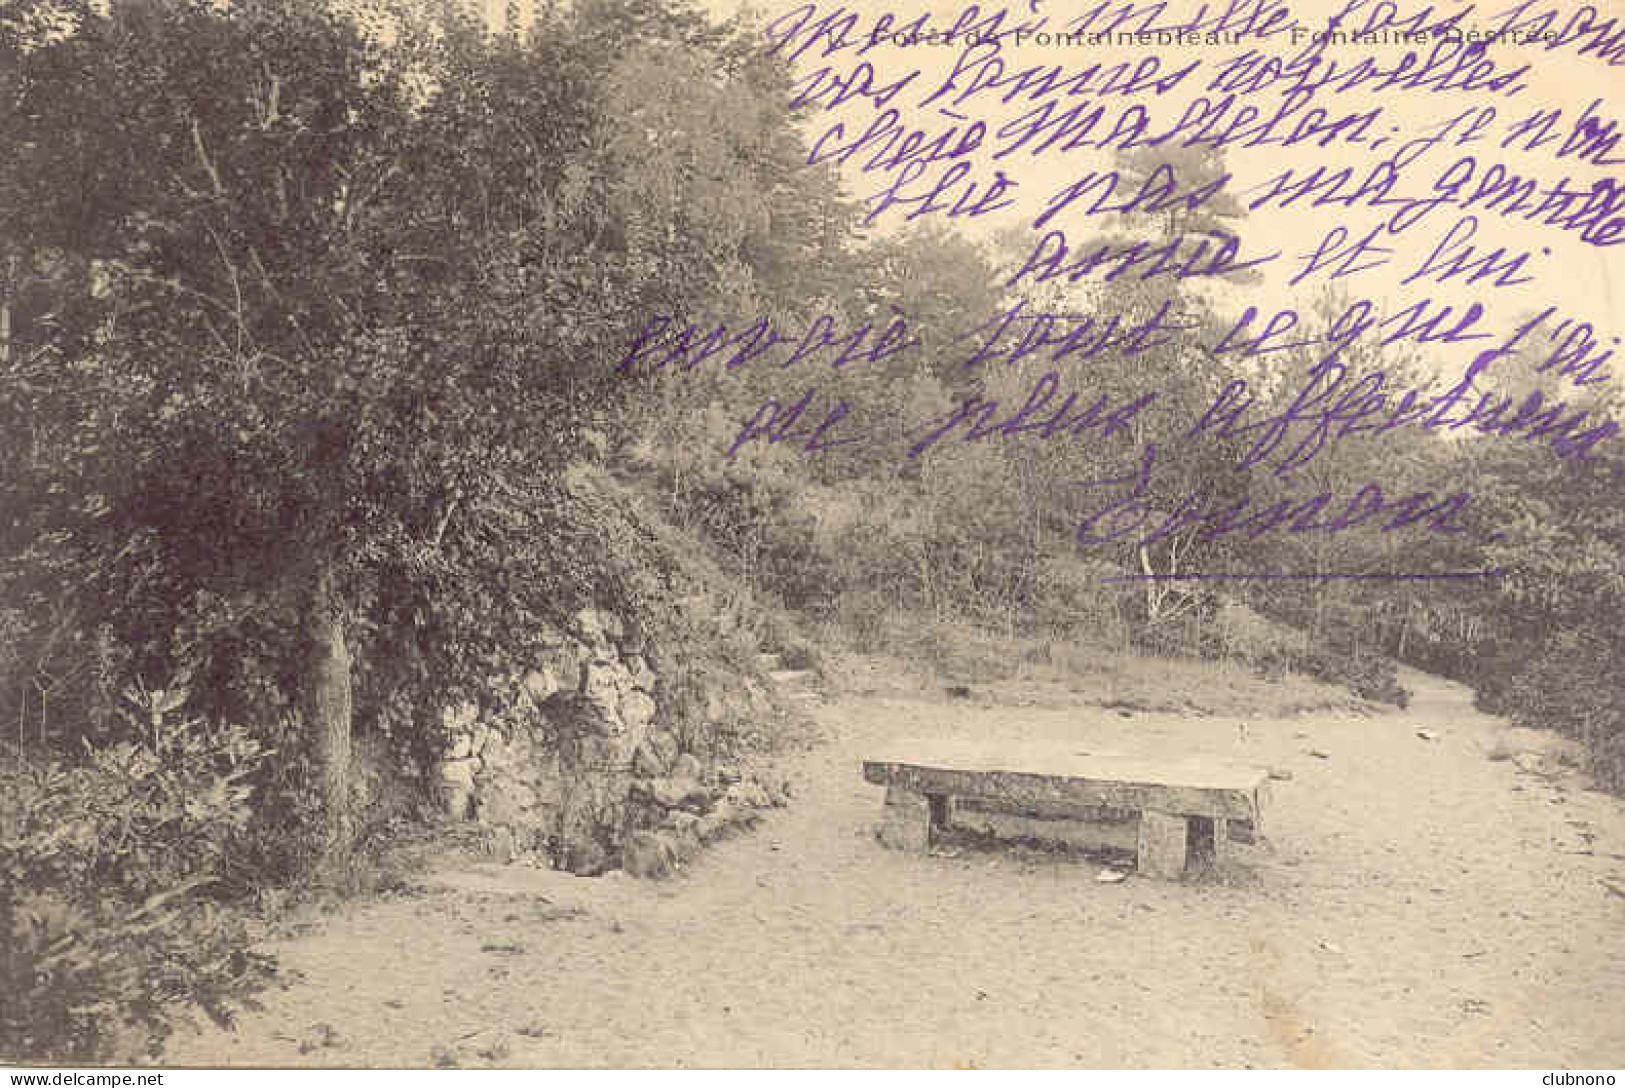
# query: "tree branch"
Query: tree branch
{"points": [[445, 520], [203, 157]]}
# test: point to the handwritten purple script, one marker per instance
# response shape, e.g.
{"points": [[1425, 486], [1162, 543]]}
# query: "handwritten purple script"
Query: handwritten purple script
{"points": [[1441, 198]]}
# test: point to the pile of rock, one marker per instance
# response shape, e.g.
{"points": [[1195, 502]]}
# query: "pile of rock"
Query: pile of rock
{"points": [[568, 759], [680, 807]]}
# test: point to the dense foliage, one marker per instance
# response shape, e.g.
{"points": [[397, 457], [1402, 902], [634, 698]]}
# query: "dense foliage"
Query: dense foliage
{"points": [[305, 312], [108, 869], [1546, 647], [298, 348]]}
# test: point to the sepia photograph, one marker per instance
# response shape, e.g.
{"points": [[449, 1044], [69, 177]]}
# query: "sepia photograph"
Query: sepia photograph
{"points": [[812, 535]]}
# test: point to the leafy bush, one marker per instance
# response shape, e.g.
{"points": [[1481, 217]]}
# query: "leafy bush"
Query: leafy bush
{"points": [[1073, 596], [1273, 648], [1370, 677], [1366, 675], [801, 654], [109, 939], [1244, 632], [1567, 682]]}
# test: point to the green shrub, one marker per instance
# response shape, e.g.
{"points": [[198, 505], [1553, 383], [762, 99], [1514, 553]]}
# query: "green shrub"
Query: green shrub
{"points": [[1371, 677], [798, 653], [1567, 682], [1073, 596], [861, 615], [1273, 649], [1245, 633], [109, 938], [1367, 675]]}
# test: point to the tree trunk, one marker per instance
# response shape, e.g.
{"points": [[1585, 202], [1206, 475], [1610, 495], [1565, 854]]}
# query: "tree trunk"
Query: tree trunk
{"points": [[327, 715], [1152, 601], [7, 289]]}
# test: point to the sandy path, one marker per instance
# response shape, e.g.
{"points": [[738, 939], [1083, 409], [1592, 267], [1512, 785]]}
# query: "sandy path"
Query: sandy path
{"points": [[1415, 904]]}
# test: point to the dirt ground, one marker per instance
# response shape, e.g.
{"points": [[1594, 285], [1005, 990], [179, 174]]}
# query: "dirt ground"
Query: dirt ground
{"points": [[1453, 901]]}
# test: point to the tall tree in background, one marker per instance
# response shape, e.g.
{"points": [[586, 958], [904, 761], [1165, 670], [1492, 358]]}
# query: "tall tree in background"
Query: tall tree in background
{"points": [[1178, 376], [1348, 615]]}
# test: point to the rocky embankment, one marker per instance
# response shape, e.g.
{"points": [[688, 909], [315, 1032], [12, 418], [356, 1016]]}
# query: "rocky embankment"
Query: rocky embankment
{"points": [[592, 758]]}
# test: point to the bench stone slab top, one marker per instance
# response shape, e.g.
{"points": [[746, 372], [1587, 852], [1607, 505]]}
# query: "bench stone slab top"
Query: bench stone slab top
{"points": [[1036, 773], [1187, 806]]}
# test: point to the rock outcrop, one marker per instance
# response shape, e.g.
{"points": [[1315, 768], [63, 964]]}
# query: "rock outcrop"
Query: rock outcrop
{"points": [[581, 758]]}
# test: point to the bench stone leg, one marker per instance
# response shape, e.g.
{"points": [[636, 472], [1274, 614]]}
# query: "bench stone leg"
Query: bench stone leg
{"points": [[1163, 842], [1209, 841], [905, 821], [1242, 830], [943, 809]]}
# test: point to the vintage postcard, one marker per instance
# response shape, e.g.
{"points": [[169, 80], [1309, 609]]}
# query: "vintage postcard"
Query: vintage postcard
{"points": [[818, 534]]}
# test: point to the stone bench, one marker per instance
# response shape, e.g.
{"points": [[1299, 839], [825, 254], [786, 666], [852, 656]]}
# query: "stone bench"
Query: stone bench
{"points": [[1187, 810]]}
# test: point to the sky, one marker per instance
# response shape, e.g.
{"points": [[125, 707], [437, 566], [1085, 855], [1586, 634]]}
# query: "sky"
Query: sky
{"points": [[1580, 278], [1585, 282]]}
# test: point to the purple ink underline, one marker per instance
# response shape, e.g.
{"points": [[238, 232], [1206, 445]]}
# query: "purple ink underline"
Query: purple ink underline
{"points": [[1222, 576]]}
